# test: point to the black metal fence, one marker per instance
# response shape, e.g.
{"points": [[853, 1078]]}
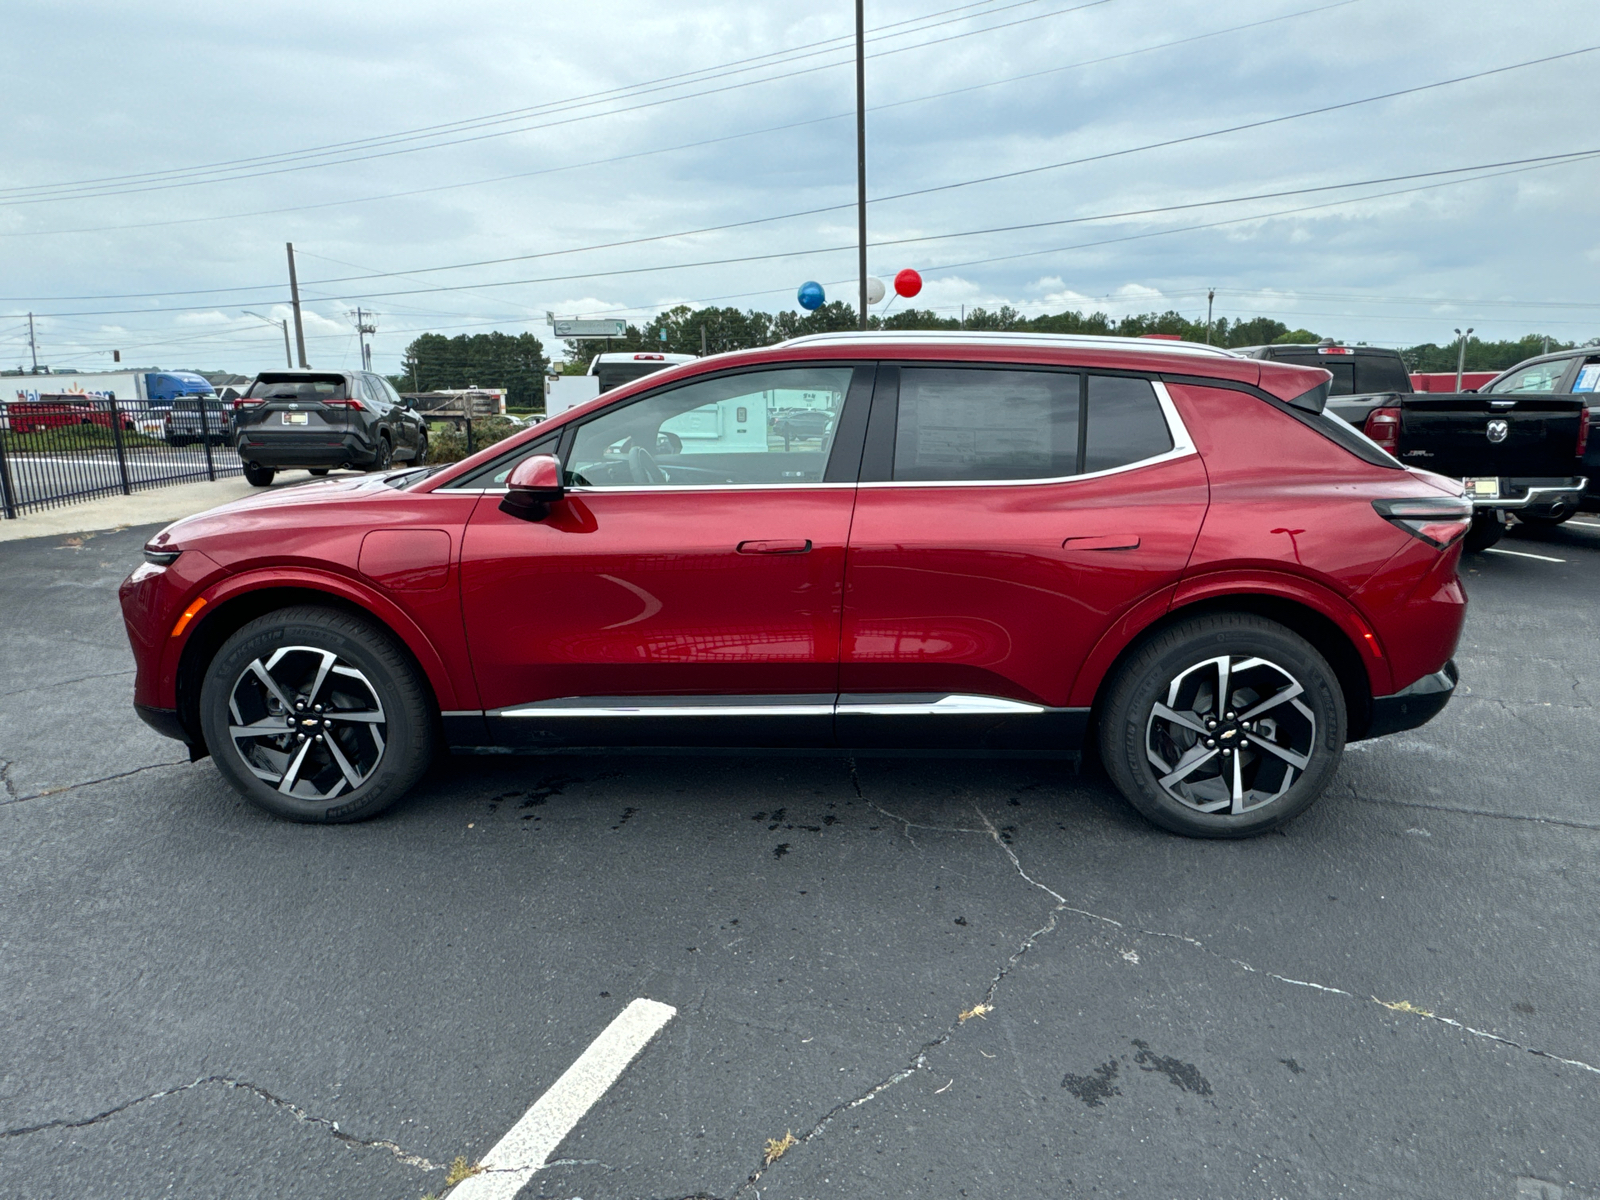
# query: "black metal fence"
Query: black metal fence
{"points": [[60, 450]]}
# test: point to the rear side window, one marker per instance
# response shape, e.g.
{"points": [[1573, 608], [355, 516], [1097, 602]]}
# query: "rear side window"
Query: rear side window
{"points": [[1125, 423], [1588, 379], [1541, 377], [957, 424]]}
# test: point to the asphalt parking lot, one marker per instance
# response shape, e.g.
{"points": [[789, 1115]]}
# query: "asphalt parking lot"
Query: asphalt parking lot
{"points": [[962, 979]]}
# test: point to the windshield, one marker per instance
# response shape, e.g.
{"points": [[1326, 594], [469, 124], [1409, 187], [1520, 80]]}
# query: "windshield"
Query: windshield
{"points": [[307, 389], [612, 375]]}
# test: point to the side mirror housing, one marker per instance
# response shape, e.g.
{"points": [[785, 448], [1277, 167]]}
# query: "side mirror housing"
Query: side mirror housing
{"points": [[534, 485]]}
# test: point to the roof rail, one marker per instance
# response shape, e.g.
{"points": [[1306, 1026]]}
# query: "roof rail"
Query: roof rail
{"points": [[944, 337]]}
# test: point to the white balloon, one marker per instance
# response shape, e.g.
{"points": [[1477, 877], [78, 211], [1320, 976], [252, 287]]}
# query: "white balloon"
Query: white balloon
{"points": [[874, 290]]}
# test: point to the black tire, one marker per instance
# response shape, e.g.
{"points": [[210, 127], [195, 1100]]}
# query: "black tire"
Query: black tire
{"points": [[1182, 657], [385, 456], [369, 674], [319, 470], [421, 455], [259, 476], [1488, 527]]}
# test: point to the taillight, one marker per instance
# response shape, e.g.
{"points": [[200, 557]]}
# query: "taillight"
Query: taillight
{"points": [[1585, 419], [244, 402], [1439, 521], [350, 403], [1383, 427]]}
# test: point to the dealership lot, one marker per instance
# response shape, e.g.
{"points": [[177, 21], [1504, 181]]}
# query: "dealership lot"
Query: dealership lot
{"points": [[1392, 997]]}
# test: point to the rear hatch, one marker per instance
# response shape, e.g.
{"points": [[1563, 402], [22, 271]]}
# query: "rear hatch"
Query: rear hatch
{"points": [[293, 406], [1477, 435]]}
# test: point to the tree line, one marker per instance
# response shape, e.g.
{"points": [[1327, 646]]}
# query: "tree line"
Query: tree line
{"points": [[518, 363]]}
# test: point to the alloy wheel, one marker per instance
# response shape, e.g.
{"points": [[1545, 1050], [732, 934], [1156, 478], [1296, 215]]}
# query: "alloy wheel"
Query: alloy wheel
{"points": [[307, 722], [1232, 735]]}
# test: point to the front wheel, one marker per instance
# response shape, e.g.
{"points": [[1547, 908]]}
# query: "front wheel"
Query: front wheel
{"points": [[421, 455], [259, 476], [1224, 726], [316, 715]]}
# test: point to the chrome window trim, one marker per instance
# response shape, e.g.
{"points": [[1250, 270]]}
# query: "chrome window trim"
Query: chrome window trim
{"points": [[677, 710], [945, 706], [1182, 447]]}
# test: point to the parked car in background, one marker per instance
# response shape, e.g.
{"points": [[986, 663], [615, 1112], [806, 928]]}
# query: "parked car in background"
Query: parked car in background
{"points": [[1573, 373], [1516, 450], [324, 419], [1005, 545], [187, 421]]}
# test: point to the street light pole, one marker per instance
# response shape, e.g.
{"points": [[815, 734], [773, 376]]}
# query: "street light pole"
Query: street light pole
{"points": [[288, 359], [1461, 354], [294, 300], [861, 151], [1211, 294]]}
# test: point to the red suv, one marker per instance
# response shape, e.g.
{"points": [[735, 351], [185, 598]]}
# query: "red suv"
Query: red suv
{"points": [[1002, 545]]}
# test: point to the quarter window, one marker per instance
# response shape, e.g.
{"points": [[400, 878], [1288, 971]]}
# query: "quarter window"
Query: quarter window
{"points": [[968, 424], [760, 427], [1126, 424]]}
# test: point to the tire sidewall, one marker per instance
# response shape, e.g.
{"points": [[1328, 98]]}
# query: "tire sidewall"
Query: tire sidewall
{"points": [[406, 734], [1145, 679]]}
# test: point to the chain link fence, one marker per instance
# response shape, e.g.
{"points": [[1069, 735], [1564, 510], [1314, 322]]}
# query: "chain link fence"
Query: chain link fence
{"points": [[60, 450]]}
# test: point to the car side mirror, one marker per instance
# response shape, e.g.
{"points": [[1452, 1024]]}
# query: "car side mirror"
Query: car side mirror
{"points": [[534, 485]]}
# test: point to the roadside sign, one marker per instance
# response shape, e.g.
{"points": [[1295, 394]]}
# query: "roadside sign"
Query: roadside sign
{"points": [[588, 329]]}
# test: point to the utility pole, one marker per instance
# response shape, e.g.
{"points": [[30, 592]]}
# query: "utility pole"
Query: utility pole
{"points": [[861, 150], [1211, 294], [364, 326], [1461, 354], [294, 300], [288, 361], [33, 346]]}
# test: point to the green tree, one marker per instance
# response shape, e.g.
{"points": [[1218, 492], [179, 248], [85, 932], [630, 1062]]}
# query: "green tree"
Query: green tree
{"points": [[515, 362]]}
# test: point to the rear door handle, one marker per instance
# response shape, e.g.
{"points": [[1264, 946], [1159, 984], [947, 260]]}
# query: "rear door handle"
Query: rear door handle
{"points": [[789, 546], [1103, 541]]}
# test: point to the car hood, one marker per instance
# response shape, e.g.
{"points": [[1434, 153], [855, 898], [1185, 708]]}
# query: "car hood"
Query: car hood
{"points": [[276, 503]]}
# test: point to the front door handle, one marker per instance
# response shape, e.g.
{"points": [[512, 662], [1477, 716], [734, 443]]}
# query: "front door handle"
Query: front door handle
{"points": [[789, 546], [1104, 541]]}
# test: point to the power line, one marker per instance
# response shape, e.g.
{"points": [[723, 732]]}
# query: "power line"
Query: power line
{"points": [[92, 191], [656, 150], [1101, 157], [1514, 164]]}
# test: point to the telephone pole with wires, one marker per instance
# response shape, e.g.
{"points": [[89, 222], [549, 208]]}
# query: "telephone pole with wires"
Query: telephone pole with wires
{"points": [[33, 345], [364, 327]]}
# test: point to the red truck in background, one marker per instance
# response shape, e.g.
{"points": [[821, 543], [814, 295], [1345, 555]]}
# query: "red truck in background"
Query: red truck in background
{"points": [[59, 412]]}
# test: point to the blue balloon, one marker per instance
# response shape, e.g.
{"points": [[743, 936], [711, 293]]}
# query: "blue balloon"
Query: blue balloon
{"points": [[811, 297]]}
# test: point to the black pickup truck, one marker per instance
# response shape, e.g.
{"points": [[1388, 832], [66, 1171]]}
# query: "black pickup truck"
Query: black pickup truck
{"points": [[1515, 448]]}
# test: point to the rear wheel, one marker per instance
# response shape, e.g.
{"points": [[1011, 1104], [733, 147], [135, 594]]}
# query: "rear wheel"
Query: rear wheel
{"points": [[259, 476], [1488, 527], [385, 456], [1223, 726], [316, 715]]}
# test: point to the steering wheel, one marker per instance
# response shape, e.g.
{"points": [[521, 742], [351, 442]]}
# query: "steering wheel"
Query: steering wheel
{"points": [[642, 468]]}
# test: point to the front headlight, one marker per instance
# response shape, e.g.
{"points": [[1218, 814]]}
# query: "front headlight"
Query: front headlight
{"points": [[164, 557]]}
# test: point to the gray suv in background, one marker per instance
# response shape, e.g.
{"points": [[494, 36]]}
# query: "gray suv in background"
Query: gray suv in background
{"points": [[324, 419]]}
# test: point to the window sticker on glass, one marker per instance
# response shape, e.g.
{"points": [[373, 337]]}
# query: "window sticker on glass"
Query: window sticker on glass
{"points": [[966, 425], [1588, 378]]}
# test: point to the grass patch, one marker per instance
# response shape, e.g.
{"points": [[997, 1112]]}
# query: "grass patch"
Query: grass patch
{"points": [[461, 1169], [778, 1147], [68, 438]]}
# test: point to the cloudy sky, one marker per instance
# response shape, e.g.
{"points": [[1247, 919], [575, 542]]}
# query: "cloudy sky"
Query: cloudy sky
{"points": [[618, 158]]}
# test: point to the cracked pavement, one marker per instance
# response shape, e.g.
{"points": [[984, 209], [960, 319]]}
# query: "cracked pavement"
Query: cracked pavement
{"points": [[1392, 997]]}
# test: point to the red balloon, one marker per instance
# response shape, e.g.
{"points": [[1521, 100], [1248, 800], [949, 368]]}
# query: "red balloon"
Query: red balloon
{"points": [[907, 283]]}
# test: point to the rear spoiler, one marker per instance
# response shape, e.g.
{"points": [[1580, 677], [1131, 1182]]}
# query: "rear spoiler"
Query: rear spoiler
{"points": [[1313, 401]]}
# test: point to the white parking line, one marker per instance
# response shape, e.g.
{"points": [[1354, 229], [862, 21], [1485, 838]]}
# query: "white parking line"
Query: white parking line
{"points": [[1524, 554], [530, 1142]]}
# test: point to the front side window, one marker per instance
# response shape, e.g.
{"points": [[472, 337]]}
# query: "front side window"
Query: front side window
{"points": [[970, 424], [1541, 377], [759, 427]]}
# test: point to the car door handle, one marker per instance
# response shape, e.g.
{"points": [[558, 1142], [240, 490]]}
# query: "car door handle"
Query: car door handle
{"points": [[1104, 541], [789, 546]]}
